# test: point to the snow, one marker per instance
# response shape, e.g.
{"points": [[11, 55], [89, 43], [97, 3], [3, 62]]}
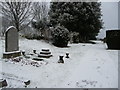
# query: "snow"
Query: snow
{"points": [[11, 52], [9, 28], [89, 66]]}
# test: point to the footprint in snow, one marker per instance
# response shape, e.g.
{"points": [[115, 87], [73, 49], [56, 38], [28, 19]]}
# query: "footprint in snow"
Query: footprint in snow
{"points": [[98, 67]]}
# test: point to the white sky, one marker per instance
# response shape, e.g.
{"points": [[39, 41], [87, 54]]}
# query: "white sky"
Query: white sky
{"points": [[110, 16]]}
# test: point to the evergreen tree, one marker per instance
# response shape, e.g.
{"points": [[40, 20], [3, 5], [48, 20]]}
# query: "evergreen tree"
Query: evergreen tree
{"points": [[81, 17]]}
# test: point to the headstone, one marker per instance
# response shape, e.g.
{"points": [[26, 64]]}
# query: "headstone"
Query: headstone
{"points": [[23, 53], [67, 55], [11, 43], [61, 59], [34, 51], [3, 83], [11, 39], [113, 39], [27, 82]]}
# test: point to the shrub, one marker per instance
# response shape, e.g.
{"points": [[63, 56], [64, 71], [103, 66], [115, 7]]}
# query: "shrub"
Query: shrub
{"points": [[60, 36], [30, 33], [33, 36], [75, 37]]}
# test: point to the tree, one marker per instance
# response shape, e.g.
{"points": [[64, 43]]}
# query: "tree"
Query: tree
{"points": [[17, 13], [40, 11], [81, 17], [4, 25]]}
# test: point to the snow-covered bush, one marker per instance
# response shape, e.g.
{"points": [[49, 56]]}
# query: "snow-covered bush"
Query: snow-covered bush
{"points": [[32, 36], [30, 33], [60, 36]]}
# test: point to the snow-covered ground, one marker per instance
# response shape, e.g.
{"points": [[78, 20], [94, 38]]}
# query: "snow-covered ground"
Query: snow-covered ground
{"points": [[89, 66]]}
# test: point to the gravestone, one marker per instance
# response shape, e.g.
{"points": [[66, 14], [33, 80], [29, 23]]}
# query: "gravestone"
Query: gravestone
{"points": [[11, 43], [113, 39], [67, 55], [3, 83], [45, 53], [61, 59]]}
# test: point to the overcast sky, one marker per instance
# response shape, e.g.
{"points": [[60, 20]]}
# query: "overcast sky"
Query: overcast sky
{"points": [[110, 16]]}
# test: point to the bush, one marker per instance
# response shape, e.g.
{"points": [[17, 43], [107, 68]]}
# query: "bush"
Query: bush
{"points": [[33, 36], [60, 36], [75, 37], [31, 33]]}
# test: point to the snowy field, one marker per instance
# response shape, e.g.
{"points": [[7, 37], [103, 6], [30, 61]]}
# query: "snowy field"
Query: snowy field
{"points": [[89, 66]]}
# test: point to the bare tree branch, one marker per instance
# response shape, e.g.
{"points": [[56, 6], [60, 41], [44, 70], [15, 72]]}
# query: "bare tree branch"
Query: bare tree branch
{"points": [[40, 10], [17, 12]]}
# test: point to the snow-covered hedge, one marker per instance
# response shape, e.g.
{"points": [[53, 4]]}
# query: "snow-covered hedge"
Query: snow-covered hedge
{"points": [[60, 36]]}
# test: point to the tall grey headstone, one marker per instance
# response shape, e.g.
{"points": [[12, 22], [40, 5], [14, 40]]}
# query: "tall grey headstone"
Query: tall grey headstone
{"points": [[11, 43], [11, 39]]}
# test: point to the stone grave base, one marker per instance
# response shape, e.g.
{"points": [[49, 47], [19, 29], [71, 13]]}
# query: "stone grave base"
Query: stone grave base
{"points": [[45, 53], [44, 56], [11, 54]]}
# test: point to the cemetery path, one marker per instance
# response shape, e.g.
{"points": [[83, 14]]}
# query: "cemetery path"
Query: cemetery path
{"points": [[89, 66]]}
